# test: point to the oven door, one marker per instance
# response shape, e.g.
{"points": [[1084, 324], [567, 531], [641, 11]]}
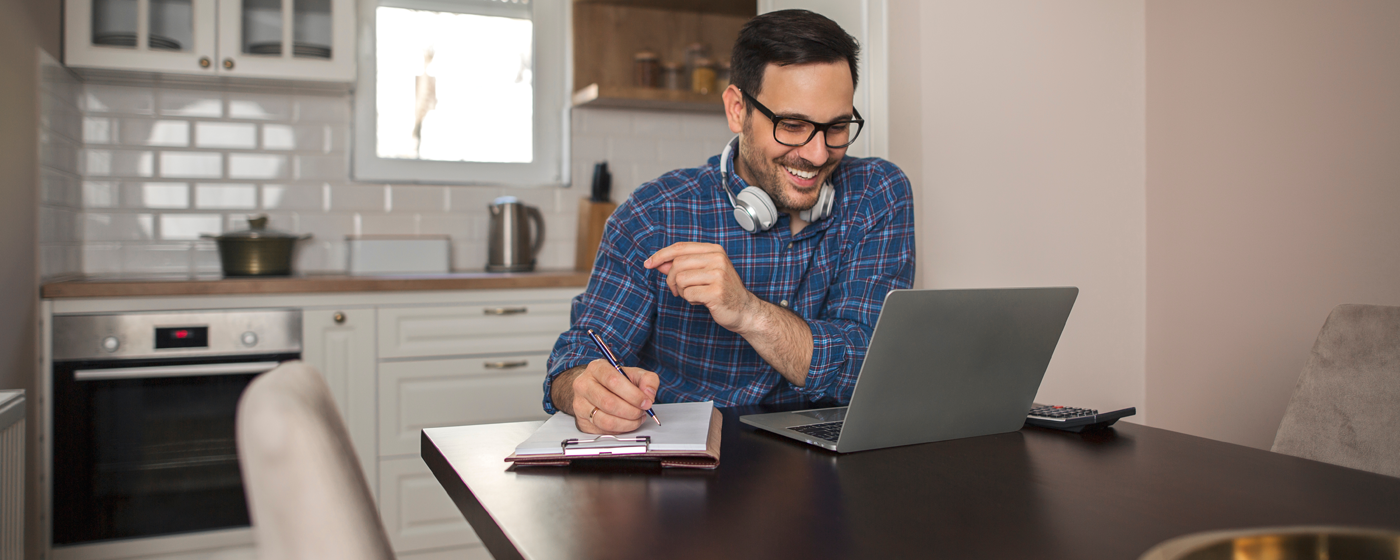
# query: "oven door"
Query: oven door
{"points": [[145, 447]]}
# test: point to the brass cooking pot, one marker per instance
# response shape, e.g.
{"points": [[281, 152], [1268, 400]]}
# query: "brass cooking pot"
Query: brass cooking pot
{"points": [[257, 251]]}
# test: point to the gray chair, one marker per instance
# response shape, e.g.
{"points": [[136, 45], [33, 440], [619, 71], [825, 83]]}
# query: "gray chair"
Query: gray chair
{"points": [[306, 493], [1346, 407]]}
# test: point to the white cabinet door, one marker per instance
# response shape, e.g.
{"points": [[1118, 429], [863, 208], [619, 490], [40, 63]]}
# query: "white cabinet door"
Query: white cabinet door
{"points": [[328, 24], [425, 394], [417, 512], [94, 31], [340, 343], [471, 329]]}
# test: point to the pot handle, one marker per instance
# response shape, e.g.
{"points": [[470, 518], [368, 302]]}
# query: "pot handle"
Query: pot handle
{"points": [[538, 242]]}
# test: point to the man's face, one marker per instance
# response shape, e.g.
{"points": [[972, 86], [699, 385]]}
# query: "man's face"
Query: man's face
{"points": [[792, 176]]}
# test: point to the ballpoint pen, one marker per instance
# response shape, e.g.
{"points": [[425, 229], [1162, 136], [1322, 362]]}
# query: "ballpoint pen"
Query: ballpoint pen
{"points": [[613, 360]]}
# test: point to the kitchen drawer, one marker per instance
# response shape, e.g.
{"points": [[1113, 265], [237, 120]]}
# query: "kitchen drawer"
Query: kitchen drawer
{"points": [[424, 394], [498, 328], [417, 513]]}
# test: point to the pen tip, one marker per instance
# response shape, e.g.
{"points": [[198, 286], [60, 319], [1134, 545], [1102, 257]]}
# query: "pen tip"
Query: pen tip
{"points": [[658, 420]]}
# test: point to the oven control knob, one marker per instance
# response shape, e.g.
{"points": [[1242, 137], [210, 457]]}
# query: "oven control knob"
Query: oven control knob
{"points": [[111, 344], [249, 338]]}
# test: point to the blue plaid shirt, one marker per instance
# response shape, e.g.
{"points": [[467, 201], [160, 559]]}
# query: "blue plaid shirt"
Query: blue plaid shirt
{"points": [[834, 274]]}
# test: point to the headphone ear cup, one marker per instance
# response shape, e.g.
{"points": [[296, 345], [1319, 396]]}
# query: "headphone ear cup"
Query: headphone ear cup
{"points": [[826, 200], [754, 211]]}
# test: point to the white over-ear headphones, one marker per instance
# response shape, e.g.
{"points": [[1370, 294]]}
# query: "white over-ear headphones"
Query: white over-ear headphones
{"points": [[755, 211]]}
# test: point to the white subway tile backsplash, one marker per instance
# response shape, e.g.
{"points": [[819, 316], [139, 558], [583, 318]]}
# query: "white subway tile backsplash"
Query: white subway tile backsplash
{"points": [[417, 198], [159, 258], [259, 106], [226, 135], [118, 227], [299, 144], [322, 168], [292, 197], [189, 226], [326, 227], [144, 132], [97, 130], [102, 98], [226, 196], [190, 103], [322, 109], [359, 197], [301, 137], [257, 166], [102, 258], [388, 224], [99, 194], [155, 195], [118, 163], [193, 165]]}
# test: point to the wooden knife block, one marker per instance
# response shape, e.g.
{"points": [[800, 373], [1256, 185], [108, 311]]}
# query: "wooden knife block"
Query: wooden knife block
{"points": [[592, 216]]}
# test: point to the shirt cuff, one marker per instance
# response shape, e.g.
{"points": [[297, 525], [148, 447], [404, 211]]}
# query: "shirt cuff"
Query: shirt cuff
{"points": [[828, 362]]}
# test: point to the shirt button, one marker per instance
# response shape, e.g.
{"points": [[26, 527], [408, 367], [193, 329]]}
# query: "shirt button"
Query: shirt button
{"points": [[789, 245], [783, 303]]}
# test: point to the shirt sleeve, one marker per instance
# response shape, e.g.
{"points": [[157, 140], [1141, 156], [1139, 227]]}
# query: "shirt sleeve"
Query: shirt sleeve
{"points": [[881, 259], [617, 304]]}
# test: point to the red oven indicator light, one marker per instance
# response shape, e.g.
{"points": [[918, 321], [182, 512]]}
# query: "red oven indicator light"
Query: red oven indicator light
{"points": [[182, 333]]}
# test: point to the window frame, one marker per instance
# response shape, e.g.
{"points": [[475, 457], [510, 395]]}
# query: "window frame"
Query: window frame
{"points": [[551, 75]]}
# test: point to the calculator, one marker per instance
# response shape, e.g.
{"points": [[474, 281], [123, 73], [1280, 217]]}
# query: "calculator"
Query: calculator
{"points": [[1073, 419]]}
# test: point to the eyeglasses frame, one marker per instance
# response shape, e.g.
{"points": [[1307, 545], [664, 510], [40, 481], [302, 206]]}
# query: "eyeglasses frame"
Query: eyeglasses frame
{"points": [[816, 126]]}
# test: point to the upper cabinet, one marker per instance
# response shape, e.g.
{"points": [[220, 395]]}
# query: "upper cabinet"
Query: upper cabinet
{"points": [[300, 40], [659, 54]]}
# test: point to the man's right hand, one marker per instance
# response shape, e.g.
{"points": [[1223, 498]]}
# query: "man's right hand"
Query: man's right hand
{"points": [[601, 400]]}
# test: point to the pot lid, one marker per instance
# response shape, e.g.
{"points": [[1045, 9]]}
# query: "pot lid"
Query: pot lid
{"points": [[257, 229]]}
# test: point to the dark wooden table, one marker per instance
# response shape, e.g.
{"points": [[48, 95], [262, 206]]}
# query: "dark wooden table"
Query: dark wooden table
{"points": [[1030, 494]]}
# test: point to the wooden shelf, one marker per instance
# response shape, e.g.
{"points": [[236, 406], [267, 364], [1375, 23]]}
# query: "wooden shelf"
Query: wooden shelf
{"points": [[648, 98]]}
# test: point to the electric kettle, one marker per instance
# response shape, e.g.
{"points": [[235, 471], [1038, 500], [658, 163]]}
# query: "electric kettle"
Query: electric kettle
{"points": [[513, 243]]}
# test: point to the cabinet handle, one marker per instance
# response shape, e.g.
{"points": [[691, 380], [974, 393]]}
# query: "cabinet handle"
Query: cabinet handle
{"points": [[505, 310], [204, 62], [507, 365], [228, 63], [339, 317]]}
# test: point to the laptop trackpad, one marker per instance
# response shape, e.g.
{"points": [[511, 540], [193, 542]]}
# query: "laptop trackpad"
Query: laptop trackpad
{"points": [[826, 414]]}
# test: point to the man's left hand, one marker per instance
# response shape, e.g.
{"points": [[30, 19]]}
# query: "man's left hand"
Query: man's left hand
{"points": [[702, 274]]}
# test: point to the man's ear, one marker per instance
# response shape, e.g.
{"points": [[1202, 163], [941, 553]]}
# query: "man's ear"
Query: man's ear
{"points": [[734, 108]]}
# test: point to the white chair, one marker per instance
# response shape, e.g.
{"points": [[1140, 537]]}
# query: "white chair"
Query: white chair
{"points": [[306, 493], [1346, 408]]}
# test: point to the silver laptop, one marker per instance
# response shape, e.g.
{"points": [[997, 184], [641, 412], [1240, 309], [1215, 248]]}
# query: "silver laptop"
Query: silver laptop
{"points": [[942, 364]]}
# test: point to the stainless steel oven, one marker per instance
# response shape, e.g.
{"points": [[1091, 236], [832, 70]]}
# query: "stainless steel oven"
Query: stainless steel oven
{"points": [[143, 417]]}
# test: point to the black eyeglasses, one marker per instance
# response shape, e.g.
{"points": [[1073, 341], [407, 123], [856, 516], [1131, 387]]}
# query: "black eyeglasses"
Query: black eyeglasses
{"points": [[795, 132]]}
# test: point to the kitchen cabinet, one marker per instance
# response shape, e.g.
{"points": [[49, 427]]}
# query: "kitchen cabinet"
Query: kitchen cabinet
{"points": [[308, 41], [608, 33], [339, 342]]}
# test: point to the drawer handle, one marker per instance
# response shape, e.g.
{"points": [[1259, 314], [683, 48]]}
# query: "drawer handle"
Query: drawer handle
{"points": [[507, 365], [505, 310]]}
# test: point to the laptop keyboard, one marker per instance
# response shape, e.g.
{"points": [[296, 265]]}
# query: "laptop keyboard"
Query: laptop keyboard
{"points": [[828, 431]]}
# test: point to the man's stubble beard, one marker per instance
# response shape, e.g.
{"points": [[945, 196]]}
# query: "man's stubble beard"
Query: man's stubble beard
{"points": [[769, 175]]}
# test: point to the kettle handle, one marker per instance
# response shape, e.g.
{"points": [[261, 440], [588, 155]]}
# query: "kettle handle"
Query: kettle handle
{"points": [[538, 242]]}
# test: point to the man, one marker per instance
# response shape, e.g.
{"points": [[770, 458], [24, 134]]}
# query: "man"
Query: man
{"points": [[717, 295]]}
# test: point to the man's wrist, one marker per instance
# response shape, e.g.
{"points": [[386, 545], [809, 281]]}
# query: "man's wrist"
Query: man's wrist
{"points": [[561, 390]]}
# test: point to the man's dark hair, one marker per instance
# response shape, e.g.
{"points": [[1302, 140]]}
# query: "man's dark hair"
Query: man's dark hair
{"points": [[787, 37]]}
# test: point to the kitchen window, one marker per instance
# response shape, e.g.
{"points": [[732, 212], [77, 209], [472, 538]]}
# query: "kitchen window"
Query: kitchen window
{"points": [[463, 92]]}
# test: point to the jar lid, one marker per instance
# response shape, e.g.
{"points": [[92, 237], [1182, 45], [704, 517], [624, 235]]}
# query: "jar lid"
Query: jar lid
{"points": [[671, 65], [646, 55], [704, 62]]}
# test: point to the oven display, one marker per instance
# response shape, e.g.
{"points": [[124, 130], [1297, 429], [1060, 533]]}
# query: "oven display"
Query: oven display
{"points": [[182, 337]]}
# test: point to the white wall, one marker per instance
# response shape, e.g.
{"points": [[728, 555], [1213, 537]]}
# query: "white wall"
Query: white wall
{"points": [[1273, 190], [1032, 167]]}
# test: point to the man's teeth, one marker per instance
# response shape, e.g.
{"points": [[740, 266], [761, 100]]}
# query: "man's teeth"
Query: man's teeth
{"points": [[802, 174]]}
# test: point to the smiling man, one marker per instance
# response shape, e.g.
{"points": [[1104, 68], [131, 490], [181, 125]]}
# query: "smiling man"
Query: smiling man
{"points": [[757, 277]]}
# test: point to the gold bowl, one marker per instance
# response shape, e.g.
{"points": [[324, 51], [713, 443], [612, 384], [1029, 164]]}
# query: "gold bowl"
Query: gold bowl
{"points": [[1282, 543]]}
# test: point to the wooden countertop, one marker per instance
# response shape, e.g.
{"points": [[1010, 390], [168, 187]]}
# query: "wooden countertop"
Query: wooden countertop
{"points": [[116, 286]]}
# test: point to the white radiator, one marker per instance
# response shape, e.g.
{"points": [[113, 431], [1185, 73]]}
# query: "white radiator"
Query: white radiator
{"points": [[11, 475]]}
